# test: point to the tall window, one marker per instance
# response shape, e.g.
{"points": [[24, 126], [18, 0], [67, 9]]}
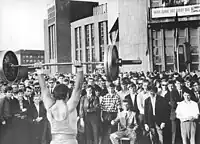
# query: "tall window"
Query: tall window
{"points": [[52, 41], [157, 45], [194, 47], [89, 44], [169, 48], [87, 36], [103, 37], [78, 49], [92, 34]]}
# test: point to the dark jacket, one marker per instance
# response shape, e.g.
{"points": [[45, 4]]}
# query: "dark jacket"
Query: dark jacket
{"points": [[134, 106], [161, 112]]}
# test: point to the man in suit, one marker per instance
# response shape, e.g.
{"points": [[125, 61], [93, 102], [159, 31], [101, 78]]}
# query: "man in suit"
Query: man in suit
{"points": [[132, 97], [155, 115], [128, 124], [180, 87], [37, 117], [4, 115]]}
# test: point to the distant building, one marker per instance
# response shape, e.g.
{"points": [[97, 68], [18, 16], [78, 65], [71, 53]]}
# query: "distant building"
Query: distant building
{"points": [[30, 56], [58, 30], [174, 35], [127, 28], [89, 37]]}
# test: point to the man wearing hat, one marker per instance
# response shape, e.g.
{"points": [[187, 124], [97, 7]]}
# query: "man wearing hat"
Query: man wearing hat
{"points": [[128, 124]]}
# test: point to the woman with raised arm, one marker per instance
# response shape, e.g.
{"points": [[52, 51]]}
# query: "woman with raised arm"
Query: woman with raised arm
{"points": [[61, 113]]}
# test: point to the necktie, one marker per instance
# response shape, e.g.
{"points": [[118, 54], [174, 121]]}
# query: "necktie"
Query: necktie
{"points": [[126, 119], [21, 104], [181, 94]]}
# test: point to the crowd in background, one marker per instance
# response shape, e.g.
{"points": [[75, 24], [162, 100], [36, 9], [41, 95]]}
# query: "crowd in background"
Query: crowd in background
{"points": [[161, 107]]}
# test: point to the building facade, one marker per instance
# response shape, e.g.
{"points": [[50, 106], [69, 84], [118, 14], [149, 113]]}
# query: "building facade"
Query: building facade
{"points": [[127, 27], [89, 37], [30, 56], [174, 35], [58, 30]]}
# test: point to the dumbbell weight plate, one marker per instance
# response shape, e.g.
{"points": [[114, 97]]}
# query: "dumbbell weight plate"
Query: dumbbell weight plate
{"points": [[8, 73]]}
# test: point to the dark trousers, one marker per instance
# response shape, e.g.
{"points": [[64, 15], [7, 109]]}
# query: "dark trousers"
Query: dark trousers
{"points": [[92, 128], [107, 127]]}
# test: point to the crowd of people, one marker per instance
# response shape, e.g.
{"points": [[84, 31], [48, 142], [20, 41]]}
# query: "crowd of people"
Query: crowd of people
{"points": [[161, 107]]}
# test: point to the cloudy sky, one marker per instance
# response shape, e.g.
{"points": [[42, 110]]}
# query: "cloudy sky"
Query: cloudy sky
{"points": [[21, 23]]}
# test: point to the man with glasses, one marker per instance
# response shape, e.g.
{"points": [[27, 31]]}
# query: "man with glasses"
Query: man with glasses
{"points": [[51, 85], [164, 89], [37, 89]]}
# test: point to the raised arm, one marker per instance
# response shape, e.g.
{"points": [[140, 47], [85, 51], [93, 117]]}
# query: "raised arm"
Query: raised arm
{"points": [[45, 93], [76, 93]]}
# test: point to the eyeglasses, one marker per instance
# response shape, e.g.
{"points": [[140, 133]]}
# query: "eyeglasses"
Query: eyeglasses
{"points": [[164, 85]]}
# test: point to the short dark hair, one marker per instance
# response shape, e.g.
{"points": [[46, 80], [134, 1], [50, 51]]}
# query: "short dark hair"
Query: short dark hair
{"points": [[111, 85], [8, 88], [153, 88], [28, 87], [97, 88], [20, 91], [132, 85], [60, 92]]}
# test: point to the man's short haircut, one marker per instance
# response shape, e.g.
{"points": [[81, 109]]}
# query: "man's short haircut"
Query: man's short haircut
{"points": [[60, 92], [97, 88], [15, 84], [61, 75], [153, 88], [170, 82], [71, 82], [179, 79], [28, 87], [66, 80], [8, 88], [186, 90], [20, 91], [111, 85], [145, 81], [132, 85]]}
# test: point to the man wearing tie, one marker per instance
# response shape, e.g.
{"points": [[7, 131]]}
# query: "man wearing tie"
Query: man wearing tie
{"points": [[51, 85], [28, 95], [128, 124], [133, 97], [180, 87], [155, 115]]}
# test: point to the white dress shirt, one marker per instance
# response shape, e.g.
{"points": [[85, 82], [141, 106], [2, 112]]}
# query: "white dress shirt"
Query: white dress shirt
{"points": [[153, 102], [142, 96], [37, 108], [188, 109]]}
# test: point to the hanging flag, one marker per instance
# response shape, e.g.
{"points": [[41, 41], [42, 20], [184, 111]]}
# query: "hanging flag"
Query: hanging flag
{"points": [[176, 43]]}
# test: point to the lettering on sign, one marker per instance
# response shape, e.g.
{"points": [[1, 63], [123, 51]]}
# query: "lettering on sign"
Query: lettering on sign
{"points": [[171, 11]]}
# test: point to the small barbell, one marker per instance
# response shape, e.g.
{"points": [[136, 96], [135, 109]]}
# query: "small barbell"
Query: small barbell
{"points": [[10, 68]]}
